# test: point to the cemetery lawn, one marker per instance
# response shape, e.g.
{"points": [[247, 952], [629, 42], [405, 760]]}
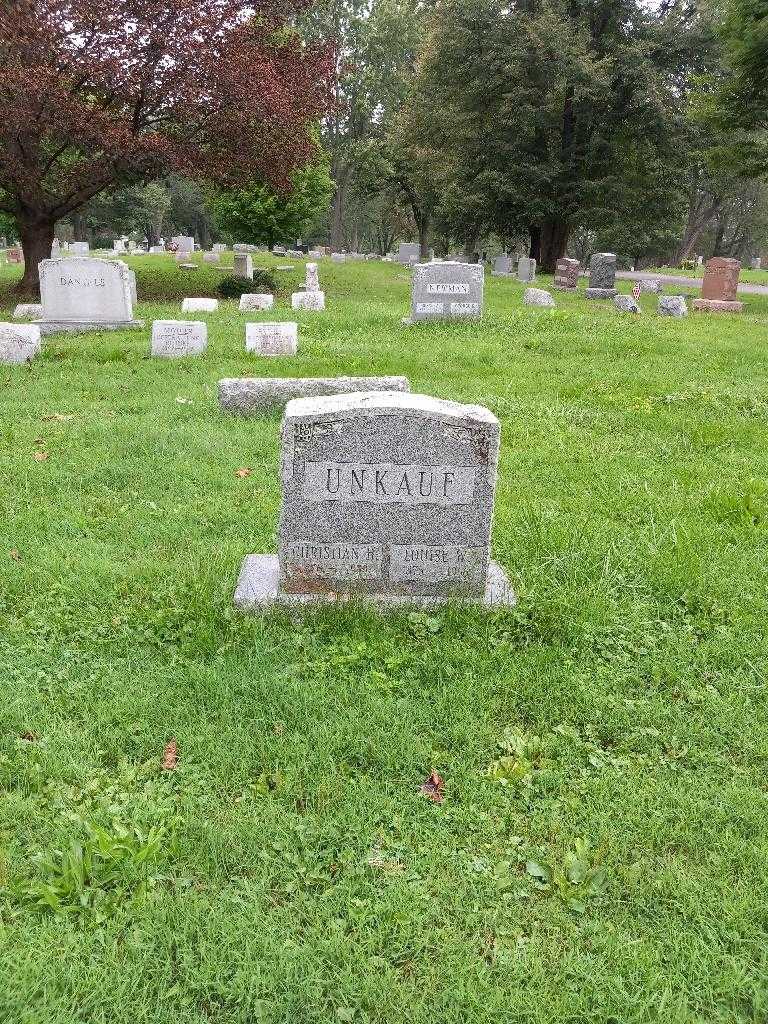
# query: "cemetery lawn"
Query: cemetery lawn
{"points": [[601, 852]]}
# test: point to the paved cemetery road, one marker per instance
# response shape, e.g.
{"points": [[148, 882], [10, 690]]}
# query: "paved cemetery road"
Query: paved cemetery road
{"points": [[686, 282]]}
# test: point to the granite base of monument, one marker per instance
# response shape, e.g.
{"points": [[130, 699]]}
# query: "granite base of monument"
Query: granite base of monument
{"points": [[81, 326], [717, 306], [601, 293], [258, 590]]}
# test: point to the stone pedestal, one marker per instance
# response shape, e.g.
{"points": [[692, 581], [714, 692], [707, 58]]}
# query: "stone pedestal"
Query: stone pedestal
{"points": [[600, 293], [718, 306]]}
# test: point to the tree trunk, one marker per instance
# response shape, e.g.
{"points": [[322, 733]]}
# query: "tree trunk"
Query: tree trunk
{"points": [[424, 222], [36, 240], [470, 242], [553, 240], [337, 214], [534, 249]]}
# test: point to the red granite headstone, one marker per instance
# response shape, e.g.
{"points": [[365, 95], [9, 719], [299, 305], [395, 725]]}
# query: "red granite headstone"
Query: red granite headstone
{"points": [[567, 274], [718, 291]]}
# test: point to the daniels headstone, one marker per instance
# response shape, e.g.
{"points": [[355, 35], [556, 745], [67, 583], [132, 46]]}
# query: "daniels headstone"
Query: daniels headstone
{"points": [[172, 339], [602, 276], [445, 291], [567, 274], [719, 289], [386, 496], [82, 293]]}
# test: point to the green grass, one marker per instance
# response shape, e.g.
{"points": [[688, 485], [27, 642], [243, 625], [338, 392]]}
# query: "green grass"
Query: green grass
{"points": [[602, 852]]}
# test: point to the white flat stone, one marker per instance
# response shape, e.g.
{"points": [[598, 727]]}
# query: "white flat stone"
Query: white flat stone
{"points": [[19, 342], [199, 305]]}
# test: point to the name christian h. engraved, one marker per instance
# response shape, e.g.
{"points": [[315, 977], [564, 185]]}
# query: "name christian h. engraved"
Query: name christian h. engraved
{"points": [[385, 482]]}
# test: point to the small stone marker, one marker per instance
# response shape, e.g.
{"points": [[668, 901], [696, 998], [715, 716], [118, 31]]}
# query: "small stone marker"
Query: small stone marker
{"points": [[272, 339], [338, 257], [502, 266], [156, 250], [15, 256], [254, 302], [526, 269], [184, 243], [719, 289], [311, 298], [408, 252], [567, 273], [79, 249], [19, 342], [219, 247], [82, 293], [172, 339], [538, 297], [249, 396], [28, 311], [199, 305], [211, 257], [651, 285], [387, 497], [672, 305], [756, 263], [602, 276], [243, 266], [446, 291], [626, 304]]}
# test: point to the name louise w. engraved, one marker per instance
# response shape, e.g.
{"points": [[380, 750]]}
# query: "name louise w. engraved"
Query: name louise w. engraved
{"points": [[385, 482]]}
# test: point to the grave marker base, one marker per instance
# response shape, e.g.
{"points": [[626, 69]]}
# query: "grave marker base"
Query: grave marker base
{"points": [[81, 326], [258, 590], [601, 293], [717, 306]]}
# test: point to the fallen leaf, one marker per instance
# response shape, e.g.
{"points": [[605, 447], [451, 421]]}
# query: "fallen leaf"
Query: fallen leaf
{"points": [[243, 472], [433, 788], [40, 456], [170, 756], [39, 440], [30, 737], [58, 417], [15, 555]]}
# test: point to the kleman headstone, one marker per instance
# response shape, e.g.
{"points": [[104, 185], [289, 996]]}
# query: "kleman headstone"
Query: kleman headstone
{"points": [[19, 342], [82, 293], [446, 291], [172, 339], [719, 288], [567, 273], [602, 276], [387, 497], [279, 339]]}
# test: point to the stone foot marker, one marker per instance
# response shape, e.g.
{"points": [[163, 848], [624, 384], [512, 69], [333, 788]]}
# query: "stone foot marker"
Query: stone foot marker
{"points": [[19, 342], [272, 339], [172, 339], [253, 302], [538, 297], [249, 396], [82, 293], [446, 291], [626, 304], [314, 301], [567, 273], [672, 305], [719, 289], [387, 497], [196, 305], [28, 311], [602, 276]]}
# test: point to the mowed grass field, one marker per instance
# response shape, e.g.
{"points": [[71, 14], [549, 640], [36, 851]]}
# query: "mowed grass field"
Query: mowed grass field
{"points": [[601, 854]]}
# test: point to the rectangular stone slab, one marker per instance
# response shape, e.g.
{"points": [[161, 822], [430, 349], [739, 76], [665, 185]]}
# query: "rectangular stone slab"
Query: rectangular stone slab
{"points": [[445, 291], [83, 289], [386, 493], [249, 396]]}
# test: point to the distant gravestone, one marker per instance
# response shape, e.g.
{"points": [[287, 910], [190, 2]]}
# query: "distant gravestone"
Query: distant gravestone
{"points": [[602, 276], [408, 252], [538, 297], [567, 273], [255, 302], [249, 396], [280, 339], [198, 305], [19, 342], [81, 293], [339, 257], [219, 247], [211, 257], [243, 266], [311, 298], [79, 249], [118, 245], [156, 250], [719, 288], [526, 269], [15, 256], [184, 243], [756, 263], [651, 285], [386, 497], [279, 250], [172, 339], [446, 291], [672, 305], [502, 266]]}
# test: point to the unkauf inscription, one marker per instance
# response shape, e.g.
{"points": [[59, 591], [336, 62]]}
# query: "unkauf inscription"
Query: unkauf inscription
{"points": [[385, 482]]}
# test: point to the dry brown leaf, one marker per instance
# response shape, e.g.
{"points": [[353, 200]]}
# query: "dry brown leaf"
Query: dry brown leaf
{"points": [[30, 737], [41, 456], [433, 788], [58, 417], [243, 472], [15, 554], [170, 756]]}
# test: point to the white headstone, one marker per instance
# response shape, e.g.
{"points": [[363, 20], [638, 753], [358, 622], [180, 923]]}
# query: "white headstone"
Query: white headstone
{"points": [[199, 305], [19, 342], [272, 339], [184, 243], [82, 289], [255, 302], [314, 301], [174, 338]]}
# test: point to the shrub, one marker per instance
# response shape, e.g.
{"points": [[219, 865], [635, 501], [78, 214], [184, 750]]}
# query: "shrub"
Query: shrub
{"points": [[231, 287]]}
